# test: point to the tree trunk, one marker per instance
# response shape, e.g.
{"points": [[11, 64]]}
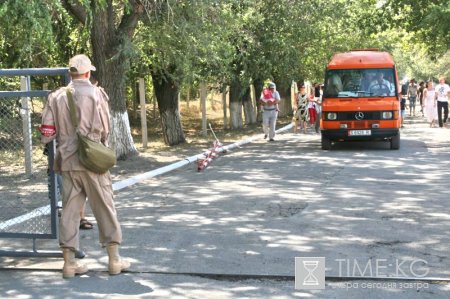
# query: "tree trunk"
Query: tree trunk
{"points": [[249, 110], [285, 105], [135, 99], [166, 92], [112, 63], [235, 105], [142, 102], [258, 85], [108, 69], [121, 142], [154, 104]]}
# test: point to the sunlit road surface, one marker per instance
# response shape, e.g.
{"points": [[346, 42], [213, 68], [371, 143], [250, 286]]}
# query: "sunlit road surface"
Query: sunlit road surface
{"points": [[372, 212]]}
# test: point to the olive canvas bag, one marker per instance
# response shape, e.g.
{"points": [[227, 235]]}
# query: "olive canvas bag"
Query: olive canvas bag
{"points": [[93, 155]]}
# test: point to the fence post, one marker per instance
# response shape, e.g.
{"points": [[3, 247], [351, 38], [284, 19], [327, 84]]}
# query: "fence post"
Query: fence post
{"points": [[26, 124], [188, 97], [143, 112], [203, 95], [293, 84], [254, 99], [224, 106]]}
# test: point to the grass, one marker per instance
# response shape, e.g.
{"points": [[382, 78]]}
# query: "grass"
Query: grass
{"points": [[157, 150], [191, 121]]}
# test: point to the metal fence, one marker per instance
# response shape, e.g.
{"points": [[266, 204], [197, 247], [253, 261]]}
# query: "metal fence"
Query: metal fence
{"points": [[28, 193]]}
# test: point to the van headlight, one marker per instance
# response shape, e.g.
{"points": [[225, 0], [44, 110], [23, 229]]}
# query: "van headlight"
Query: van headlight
{"points": [[386, 115], [331, 115]]}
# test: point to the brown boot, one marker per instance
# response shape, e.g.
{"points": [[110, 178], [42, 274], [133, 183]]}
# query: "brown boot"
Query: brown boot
{"points": [[71, 267], [116, 263]]}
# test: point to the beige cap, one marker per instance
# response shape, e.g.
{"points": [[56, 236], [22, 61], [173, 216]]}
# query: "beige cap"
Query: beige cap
{"points": [[80, 64]]}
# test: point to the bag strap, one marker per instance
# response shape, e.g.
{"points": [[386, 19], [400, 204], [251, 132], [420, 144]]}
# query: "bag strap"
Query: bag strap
{"points": [[73, 116]]}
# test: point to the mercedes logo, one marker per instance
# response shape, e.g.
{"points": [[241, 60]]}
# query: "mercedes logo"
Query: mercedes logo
{"points": [[359, 115]]}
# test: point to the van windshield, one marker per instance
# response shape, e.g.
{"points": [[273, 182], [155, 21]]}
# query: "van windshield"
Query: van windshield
{"points": [[360, 83]]}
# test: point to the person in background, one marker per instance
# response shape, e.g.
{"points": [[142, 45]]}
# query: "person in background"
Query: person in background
{"points": [[429, 101], [269, 100], [334, 86], [84, 223], [312, 108], [316, 90], [92, 108], [381, 86], [403, 110], [442, 93], [301, 112], [79, 254], [422, 87], [404, 93], [366, 80], [319, 108], [412, 96]]}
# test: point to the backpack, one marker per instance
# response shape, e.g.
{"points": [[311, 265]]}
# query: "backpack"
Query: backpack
{"points": [[267, 95]]}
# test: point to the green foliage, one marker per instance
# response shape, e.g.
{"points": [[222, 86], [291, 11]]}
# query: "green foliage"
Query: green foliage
{"points": [[287, 40], [412, 57], [24, 35], [38, 34], [184, 41], [429, 20], [245, 40]]}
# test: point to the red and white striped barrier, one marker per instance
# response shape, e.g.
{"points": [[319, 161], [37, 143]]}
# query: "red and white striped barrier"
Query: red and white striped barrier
{"points": [[209, 155]]}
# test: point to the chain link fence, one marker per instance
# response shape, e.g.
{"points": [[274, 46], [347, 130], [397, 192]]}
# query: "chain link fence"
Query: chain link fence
{"points": [[25, 195], [28, 199]]}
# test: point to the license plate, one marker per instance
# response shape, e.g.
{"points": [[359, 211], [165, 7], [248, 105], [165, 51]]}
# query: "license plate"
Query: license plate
{"points": [[359, 133]]}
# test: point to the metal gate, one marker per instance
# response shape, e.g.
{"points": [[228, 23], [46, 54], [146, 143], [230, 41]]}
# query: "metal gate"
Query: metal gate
{"points": [[28, 193]]}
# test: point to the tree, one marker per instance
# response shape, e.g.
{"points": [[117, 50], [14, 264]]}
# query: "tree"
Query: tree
{"points": [[112, 26], [429, 20], [284, 40], [26, 34], [229, 42], [35, 34], [403, 28], [181, 43]]}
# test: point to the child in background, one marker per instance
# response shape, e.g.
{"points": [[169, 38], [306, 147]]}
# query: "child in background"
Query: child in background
{"points": [[312, 110], [403, 109]]}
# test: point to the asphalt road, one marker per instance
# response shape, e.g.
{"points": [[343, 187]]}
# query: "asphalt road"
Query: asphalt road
{"points": [[234, 230]]}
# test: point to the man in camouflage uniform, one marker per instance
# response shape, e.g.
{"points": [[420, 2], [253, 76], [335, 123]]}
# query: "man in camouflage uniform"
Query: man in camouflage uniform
{"points": [[92, 110]]}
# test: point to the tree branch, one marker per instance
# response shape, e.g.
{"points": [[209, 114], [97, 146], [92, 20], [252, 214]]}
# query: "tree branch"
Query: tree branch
{"points": [[129, 20], [76, 9]]}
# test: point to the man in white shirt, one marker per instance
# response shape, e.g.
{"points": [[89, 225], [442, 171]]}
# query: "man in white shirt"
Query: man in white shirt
{"points": [[381, 86], [442, 93], [270, 110]]}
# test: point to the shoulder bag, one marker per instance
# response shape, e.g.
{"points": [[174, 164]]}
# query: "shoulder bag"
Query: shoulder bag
{"points": [[93, 155]]}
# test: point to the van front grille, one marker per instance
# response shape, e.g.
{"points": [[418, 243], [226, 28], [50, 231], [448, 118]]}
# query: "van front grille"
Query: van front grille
{"points": [[359, 115]]}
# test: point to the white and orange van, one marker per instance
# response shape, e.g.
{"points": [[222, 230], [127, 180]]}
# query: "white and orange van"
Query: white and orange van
{"points": [[361, 99]]}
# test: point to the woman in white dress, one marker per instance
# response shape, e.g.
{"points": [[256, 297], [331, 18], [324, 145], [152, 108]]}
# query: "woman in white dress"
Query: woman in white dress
{"points": [[430, 103]]}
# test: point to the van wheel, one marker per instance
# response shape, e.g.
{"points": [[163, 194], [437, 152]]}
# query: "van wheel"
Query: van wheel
{"points": [[326, 143], [395, 142]]}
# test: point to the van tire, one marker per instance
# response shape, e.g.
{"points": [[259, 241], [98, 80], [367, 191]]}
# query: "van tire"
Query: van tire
{"points": [[326, 143], [395, 142]]}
